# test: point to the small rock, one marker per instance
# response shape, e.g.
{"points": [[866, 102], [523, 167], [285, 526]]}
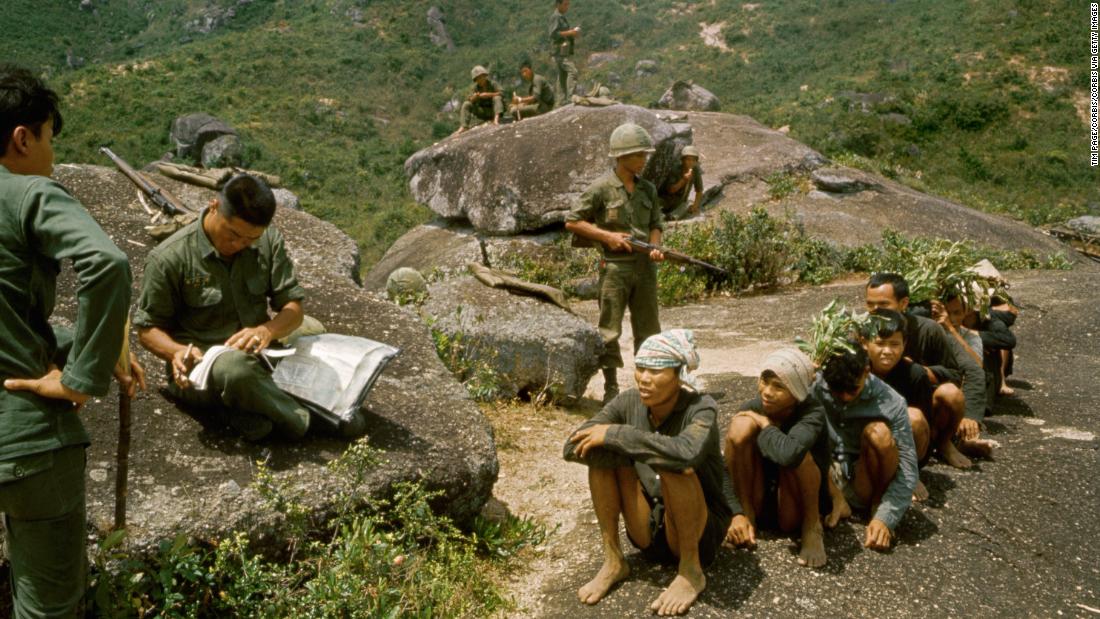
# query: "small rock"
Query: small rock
{"points": [[598, 59], [836, 181], [223, 152], [645, 67], [1089, 224], [230, 488], [689, 96], [287, 199], [98, 475]]}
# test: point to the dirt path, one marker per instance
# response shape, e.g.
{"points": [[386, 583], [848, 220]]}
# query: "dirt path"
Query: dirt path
{"points": [[1017, 537]]}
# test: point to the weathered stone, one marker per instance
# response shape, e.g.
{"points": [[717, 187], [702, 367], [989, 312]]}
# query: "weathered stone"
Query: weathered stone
{"points": [[225, 151], [286, 198], [585, 288], [534, 348], [689, 96], [182, 461], [643, 68], [835, 180], [1089, 224], [598, 59], [484, 175], [431, 248], [896, 119], [437, 30], [503, 251], [864, 101], [72, 60], [191, 132], [210, 19]]}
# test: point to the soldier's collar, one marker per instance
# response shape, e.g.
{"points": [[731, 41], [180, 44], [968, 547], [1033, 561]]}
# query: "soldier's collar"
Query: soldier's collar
{"points": [[205, 247]]}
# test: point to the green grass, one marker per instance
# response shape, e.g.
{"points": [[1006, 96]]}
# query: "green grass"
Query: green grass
{"points": [[335, 106]]}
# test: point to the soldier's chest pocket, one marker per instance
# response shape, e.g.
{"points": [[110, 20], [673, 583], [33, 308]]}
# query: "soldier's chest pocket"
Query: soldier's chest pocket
{"points": [[617, 212], [201, 295], [256, 286]]}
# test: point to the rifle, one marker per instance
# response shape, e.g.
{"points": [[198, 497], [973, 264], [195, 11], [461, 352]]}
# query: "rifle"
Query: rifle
{"points": [[675, 256], [165, 201], [122, 457]]}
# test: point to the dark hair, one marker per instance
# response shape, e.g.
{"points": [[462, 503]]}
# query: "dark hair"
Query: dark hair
{"points": [[843, 370], [248, 198], [888, 323], [897, 282], [525, 64], [25, 101]]}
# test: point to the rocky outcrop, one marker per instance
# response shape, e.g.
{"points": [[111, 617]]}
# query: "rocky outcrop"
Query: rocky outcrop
{"points": [[437, 30], [431, 248], [534, 349], [644, 68], [1089, 224], [189, 475], [524, 176], [286, 198], [190, 133], [690, 97], [223, 152]]}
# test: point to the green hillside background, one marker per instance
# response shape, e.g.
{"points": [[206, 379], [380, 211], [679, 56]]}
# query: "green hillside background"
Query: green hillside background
{"points": [[334, 95]]}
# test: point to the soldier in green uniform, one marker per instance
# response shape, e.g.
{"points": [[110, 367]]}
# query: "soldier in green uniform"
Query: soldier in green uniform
{"points": [[483, 104], [539, 98], [42, 441], [674, 194], [562, 38], [617, 206], [212, 283]]}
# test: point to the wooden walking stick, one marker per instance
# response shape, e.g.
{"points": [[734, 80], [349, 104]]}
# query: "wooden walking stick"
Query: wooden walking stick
{"points": [[122, 456]]}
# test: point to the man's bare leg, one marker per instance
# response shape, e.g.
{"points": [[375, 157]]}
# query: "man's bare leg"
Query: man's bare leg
{"points": [[1005, 389], [685, 519], [922, 435], [841, 510], [745, 464], [607, 501], [877, 465], [798, 492], [948, 407]]}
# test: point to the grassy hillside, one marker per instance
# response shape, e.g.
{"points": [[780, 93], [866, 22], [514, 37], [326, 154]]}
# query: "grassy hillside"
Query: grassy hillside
{"points": [[975, 101]]}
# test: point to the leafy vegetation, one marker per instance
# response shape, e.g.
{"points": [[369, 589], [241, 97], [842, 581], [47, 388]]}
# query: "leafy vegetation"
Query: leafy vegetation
{"points": [[976, 102], [387, 559]]}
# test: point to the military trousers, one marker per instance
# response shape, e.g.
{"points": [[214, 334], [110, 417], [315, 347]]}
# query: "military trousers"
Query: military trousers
{"points": [[241, 386], [527, 110], [472, 114], [42, 497], [627, 284], [567, 79]]}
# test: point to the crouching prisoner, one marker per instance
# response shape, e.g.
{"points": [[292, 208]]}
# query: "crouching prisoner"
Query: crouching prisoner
{"points": [[653, 456]]}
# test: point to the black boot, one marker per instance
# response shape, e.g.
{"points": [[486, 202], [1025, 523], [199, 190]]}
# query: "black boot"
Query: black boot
{"points": [[610, 384]]}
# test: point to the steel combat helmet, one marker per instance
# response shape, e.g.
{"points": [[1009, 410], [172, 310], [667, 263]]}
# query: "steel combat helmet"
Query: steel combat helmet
{"points": [[629, 138]]}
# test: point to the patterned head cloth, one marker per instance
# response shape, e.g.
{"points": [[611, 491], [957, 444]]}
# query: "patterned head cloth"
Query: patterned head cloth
{"points": [[670, 349], [794, 369]]}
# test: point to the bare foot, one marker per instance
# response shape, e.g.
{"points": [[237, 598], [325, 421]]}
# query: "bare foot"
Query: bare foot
{"points": [[977, 448], [610, 573], [680, 594], [841, 511], [1006, 390], [920, 493], [813, 546], [951, 455]]}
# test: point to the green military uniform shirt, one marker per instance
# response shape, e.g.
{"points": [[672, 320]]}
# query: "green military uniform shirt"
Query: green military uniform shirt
{"points": [[607, 204], [485, 103], [189, 291], [41, 225], [559, 45], [543, 93]]}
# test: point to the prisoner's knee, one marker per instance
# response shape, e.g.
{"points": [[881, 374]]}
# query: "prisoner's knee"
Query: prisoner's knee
{"points": [[918, 422], [877, 436], [742, 432], [950, 395]]}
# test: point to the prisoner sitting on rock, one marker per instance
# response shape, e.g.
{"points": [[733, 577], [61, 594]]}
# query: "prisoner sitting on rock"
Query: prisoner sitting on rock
{"points": [[653, 455], [211, 283], [484, 104], [618, 206], [674, 193]]}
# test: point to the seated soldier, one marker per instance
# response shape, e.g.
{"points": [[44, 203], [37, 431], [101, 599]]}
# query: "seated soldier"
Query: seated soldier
{"points": [[211, 283], [539, 98], [653, 455], [874, 460], [927, 344], [674, 194], [484, 103], [886, 349], [768, 452]]}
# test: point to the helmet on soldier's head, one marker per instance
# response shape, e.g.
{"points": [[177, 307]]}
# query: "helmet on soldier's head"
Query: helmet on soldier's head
{"points": [[689, 151], [478, 71], [629, 138], [405, 282]]}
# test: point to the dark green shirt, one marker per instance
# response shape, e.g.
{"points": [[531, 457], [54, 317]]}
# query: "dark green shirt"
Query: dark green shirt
{"points": [[688, 438], [673, 200], [198, 298], [559, 45], [607, 204], [40, 226], [543, 93], [490, 86]]}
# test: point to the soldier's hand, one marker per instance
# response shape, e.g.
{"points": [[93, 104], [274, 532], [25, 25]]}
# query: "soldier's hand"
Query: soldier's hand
{"points": [[250, 339], [182, 361], [618, 241], [656, 255], [48, 386], [586, 439], [741, 532], [878, 535], [133, 379]]}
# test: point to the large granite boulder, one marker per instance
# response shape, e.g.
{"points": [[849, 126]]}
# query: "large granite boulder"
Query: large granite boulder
{"points": [[190, 475], [191, 132], [689, 96], [534, 348], [524, 176], [437, 30], [224, 151], [433, 248]]}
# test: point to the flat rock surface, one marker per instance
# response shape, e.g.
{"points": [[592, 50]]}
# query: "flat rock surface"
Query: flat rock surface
{"points": [[189, 474], [1016, 536]]}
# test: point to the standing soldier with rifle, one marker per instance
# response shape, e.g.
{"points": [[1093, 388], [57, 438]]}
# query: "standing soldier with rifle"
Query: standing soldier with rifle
{"points": [[618, 207]]}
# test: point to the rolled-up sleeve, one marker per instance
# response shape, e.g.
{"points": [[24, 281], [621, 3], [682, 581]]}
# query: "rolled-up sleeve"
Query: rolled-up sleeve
{"points": [[284, 282]]}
